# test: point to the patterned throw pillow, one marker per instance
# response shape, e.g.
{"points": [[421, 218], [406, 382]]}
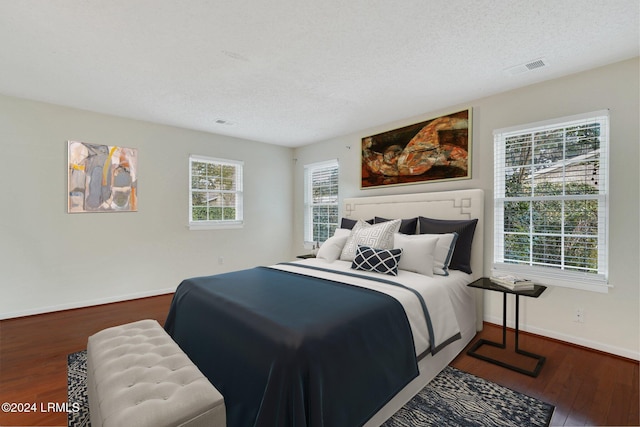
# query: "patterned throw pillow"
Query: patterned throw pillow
{"points": [[383, 261], [378, 236]]}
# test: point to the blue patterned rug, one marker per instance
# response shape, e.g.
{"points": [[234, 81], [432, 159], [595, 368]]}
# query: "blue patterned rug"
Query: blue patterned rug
{"points": [[77, 389], [456, 398], [453, 398]]}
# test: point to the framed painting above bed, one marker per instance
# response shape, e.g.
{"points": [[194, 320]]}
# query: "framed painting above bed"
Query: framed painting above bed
{"points": [[434, 150]]}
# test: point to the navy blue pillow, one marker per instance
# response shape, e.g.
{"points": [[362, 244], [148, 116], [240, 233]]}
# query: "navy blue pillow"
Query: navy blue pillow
{"points": [[461, 258], [349, 223], [407, 226], [383, 261]]}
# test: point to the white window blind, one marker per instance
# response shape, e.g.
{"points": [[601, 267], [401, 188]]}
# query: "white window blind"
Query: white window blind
{"points": [[321, 200], [215, 193], [551, 201]]}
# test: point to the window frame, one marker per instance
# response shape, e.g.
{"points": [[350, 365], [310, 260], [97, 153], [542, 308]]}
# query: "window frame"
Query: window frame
{"points": [[556, 276], [209, 224], [309, 169]]}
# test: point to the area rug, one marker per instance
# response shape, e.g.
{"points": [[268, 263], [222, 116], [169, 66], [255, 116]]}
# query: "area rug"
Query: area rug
{"points": [[77, 389], [456, 398], [453, 398]]}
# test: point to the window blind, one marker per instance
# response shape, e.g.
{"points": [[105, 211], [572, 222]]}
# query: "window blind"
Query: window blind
{"points": [[321, 200], [551, 200]]}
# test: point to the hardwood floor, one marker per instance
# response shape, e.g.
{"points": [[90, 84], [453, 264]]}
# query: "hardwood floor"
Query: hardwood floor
{"points": [[34, 349], [587, 387]]}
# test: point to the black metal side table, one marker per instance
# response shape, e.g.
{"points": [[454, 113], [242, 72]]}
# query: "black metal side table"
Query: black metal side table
{"points": [[487, 284]]}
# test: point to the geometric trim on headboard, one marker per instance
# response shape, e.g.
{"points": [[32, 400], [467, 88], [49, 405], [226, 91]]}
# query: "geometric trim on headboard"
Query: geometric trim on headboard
{"points": [[463, 204], [454, 204]]}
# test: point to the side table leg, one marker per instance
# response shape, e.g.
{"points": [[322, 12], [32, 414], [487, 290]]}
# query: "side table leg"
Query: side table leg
{"points": [[504, 320], [517, 319], [540, 359]]}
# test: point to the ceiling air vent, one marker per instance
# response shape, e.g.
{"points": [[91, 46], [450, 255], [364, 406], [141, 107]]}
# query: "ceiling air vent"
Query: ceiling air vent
{"points": [[529, 66]]}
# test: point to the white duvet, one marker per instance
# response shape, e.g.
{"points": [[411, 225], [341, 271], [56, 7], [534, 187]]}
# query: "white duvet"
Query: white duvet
{"points": [[434, 291]]}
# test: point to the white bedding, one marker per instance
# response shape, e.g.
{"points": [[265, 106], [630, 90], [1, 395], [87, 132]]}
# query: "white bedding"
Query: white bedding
{"points": [[467, 302], [437, 292]]}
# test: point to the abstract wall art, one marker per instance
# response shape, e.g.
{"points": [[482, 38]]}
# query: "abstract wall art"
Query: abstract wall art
{"points": [[102, 178], [433, 150]]}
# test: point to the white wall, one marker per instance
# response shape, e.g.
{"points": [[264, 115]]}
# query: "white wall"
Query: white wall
{"points": [[611, 320], [52, 260]]}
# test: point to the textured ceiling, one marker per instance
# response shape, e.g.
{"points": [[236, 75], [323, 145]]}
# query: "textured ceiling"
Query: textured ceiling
{"points": [[293, 72]]}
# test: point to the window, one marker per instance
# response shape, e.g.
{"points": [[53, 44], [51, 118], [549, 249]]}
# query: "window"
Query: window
{"points": [[215, 193], [550, 200], [320, 200]]}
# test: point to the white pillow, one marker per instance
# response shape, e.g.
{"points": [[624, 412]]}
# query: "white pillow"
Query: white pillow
{"points": [[379, 236], [342, 232], [443, 252], [331, 249], [417, 252]]}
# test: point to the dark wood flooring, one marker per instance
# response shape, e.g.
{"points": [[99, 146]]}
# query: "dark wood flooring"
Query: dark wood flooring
{"points": [[34, 349], [587, 387]]}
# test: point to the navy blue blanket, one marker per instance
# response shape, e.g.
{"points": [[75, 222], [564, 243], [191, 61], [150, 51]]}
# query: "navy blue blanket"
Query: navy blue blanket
{"points": [[286, 349]]}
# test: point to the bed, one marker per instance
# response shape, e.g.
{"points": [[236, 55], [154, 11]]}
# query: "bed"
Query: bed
{"points": [[317, 342]]}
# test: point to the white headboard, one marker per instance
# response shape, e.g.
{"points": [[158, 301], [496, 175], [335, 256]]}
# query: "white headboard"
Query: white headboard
{"points": [[458, 204]]}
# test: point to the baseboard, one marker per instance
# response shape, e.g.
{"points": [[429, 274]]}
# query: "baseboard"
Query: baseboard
{"points": [[605, 348], [83, 304]]}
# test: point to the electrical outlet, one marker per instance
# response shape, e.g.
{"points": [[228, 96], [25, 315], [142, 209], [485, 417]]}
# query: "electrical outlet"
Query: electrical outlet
{"points": [[579, 316], [220, 260]]}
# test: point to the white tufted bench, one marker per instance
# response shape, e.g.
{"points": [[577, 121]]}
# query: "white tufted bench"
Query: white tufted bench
{"points": [[138, 376]]}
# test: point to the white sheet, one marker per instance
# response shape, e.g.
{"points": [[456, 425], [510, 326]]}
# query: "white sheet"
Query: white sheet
{"points": [[435, 291]]}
